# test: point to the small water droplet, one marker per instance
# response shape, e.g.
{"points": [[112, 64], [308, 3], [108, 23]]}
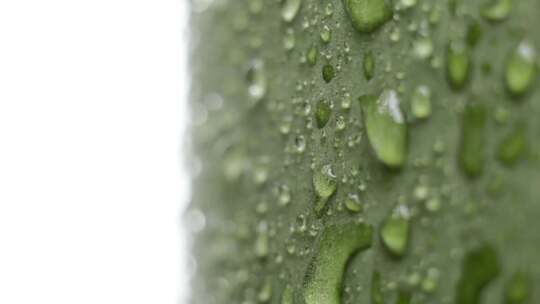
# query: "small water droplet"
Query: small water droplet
{"points": [[395, 231], [353, 204], [311, 56], [369, 65], [289, 41], [284, 195], [256, 80], [474, 33], [512, 146], [421, 102], [322, 113], [328, 72], [518, 289], [325, 185], [521, 69], [480, 267], [423, 48], [300, 144], [265, 294], [287, 296], [326, 34]]}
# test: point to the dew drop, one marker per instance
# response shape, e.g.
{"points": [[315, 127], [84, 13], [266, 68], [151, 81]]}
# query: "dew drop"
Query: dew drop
{"points": [[328, 72], [326, 34], [517, 289], [512, 146], [496, 10], [471, 150], [369, 65], [311, 56], [421, 102], [368, 15], [325, 185], [395, 231], [322, 113], [457, 65], [386, 127], [256, 80], [353, 204], [290, 9], [521, 69]]}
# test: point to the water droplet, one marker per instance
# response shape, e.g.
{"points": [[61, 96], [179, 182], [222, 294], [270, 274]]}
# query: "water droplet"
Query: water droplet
{"points": [[404, 297], [265, 294], [338, 243], [512, 146], [480, 267], [457, 65], [326, 34], [496, 10], [369, 65], [289, 41], [430, 282], [353, 204], [386, 128], [521, 69], [311, 56], [340, 123], [300, 144], [433, 204], [325, 185], [287, 296], [376, 289], [256, 80], [423, 48], [408, 3], [322, 113], [474, 34], [261, 241], [421, 102], [395, 231], [329, 9], [517, 289], [328, 72], [290, 9], [284, 195], [471, 153], [368, 15]]}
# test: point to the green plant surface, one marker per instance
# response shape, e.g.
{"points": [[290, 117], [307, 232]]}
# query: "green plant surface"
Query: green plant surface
{"points": [[315, 121]]}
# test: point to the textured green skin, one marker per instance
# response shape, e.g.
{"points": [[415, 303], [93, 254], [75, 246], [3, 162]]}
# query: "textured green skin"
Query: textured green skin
{"points": [[500, 206]]}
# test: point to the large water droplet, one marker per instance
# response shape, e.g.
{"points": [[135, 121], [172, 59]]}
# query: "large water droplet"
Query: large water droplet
{"points": [[368, 15], [521, 69], [395, 231], [480, 267], [386, 127], [471, 153], [290, 9], [325, 185], [512, 146], [336, 246], [496, 10]]}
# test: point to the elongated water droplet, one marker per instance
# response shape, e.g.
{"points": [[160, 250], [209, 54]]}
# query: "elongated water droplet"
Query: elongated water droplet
{"points": [[322, 113], [480, 267], [265, 294], [337, 244], [261, 241], [326, 34], [386, 127], [496, 10], [369, 65], [376, 289], [521, 69], [290, 9], [311, 56], [421, 102], [457, 65], [474, 34], [512, 146], [471, 154], [517, 289], [368, 15], [395, 231], [325, 185], [256, 80]]}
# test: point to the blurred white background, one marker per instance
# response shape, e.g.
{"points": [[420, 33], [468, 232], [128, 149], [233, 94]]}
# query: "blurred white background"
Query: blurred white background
{"points": [[92, 108]]}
